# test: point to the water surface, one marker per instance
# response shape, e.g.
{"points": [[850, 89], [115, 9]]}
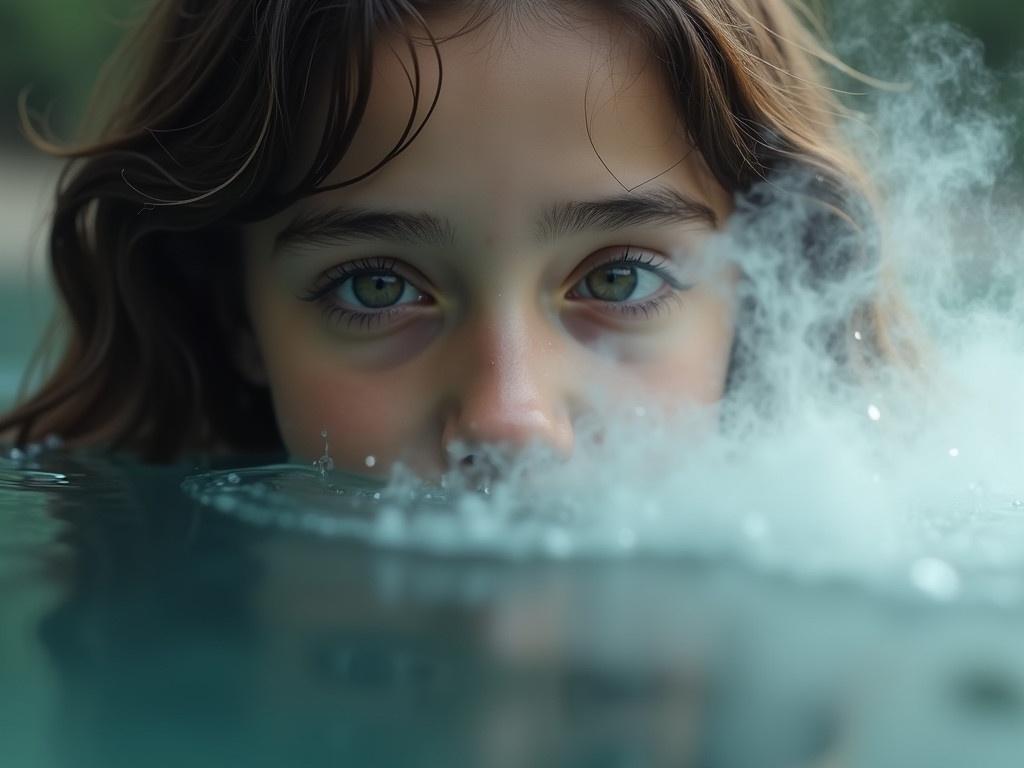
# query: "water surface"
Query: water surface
{"points": [[142, 627]]}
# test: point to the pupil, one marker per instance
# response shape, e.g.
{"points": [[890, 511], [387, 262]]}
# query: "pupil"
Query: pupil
{"points": [[378, 291]]}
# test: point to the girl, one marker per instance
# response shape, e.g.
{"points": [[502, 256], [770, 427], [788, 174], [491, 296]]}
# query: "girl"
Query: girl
{"points": [[426, 227]]}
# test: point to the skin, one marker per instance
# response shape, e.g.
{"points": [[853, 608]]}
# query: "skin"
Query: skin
{"points": [[498, 339]]}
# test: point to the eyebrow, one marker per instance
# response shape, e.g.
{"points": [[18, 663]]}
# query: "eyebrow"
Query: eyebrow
{"points": [[343, 225], [660, 206], [657, 206]]}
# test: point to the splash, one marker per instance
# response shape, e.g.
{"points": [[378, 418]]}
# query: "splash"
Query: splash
{"points": [[325, 463]]}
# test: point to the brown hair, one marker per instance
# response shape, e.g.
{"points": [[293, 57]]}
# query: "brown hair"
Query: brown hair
{"points": [[144, 244]]}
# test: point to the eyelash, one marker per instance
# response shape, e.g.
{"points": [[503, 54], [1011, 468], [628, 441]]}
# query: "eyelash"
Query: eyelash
{"points": [[337, 275]]}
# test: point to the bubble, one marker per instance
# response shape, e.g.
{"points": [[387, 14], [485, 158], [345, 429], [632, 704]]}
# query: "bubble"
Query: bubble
{"points": [[936, 578], [390, 526], [558, 543], [755, 527]]}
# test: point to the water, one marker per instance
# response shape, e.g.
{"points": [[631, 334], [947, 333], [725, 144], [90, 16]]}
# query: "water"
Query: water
{"points": [[142, 627], [969, 548]]}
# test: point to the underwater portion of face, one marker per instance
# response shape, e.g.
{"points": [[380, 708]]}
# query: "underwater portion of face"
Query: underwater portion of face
{"points": [[534, 258]]}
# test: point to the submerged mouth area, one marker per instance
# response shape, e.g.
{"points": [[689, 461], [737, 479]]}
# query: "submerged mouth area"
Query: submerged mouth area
{"points": [[474, 472], [971, 549]]}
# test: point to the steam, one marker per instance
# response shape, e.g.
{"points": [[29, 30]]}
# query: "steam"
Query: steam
{"points": [[902, 478]]}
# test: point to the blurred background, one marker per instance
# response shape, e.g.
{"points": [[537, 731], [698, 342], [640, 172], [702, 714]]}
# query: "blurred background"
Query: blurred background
{"points": [[57, 47]]}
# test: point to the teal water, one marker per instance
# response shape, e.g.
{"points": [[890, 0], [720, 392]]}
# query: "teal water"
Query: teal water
{"points": [[141, 627]]}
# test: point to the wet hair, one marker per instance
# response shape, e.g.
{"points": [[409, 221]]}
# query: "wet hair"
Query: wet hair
{"points": [[145, 245]]}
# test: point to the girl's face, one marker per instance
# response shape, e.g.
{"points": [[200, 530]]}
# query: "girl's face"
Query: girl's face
{"points": [[533, 257]]}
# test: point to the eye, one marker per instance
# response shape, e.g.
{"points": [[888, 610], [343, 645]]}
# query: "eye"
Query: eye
{"points": [[628, 275], [366, 293], [375, 290], [619, 283]]}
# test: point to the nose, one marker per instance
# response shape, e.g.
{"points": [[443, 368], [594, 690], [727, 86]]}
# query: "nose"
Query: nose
{"points": [[510, 391]]}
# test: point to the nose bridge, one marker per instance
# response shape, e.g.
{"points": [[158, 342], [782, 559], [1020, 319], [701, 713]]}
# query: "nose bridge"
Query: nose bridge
{"points": [[509, 383], [506, 365]]}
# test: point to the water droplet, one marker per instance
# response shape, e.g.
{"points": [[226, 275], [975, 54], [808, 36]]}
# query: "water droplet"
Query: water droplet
{"points": [[640, 411], [954, 452], [325, 463], [558, 543], [755, 528], [53, 442], [371, 461], [234, 479], [936, 578], [16, 454], [857, 335], [874, 413], [376, 495]]}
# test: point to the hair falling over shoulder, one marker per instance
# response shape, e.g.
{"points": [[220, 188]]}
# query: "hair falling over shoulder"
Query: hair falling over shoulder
{"points": [[195, 122]]}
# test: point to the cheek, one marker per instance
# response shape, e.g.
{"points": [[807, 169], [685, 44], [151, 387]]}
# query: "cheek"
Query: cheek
{"points": [[364, 413], [695, 367], [687, 365], [317, 386], [694, 375]]}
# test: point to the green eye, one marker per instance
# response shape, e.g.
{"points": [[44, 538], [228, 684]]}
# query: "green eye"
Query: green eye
{"points": [[364, 293], [377, 291], [620, 283], [612, 283]]}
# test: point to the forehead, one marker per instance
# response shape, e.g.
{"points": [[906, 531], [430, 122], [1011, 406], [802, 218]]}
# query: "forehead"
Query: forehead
{"points": [[526, 110]]}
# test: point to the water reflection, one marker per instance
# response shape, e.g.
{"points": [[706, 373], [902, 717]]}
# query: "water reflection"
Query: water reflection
{"points": [[142, 629]]}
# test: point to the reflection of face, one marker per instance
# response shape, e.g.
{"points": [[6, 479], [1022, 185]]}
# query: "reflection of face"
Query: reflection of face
{"points": [[496, 280]]}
